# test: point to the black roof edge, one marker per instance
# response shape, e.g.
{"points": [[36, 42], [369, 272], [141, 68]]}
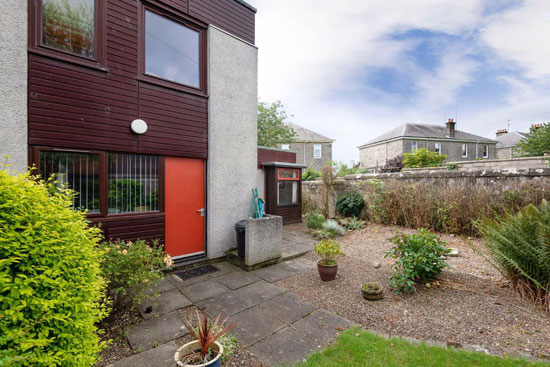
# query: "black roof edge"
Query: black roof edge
{"points": [[247, 5]]}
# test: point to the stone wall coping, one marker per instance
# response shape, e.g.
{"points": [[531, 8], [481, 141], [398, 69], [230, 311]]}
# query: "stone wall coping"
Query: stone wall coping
{"points": [[509, 172]]}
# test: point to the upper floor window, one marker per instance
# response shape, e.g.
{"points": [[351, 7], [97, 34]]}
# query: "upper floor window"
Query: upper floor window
{"points": [[285, 146], [414, 146], [172, 50], [464, 150], [317, 150], [69, 26], [437, 148], [485, 151]]}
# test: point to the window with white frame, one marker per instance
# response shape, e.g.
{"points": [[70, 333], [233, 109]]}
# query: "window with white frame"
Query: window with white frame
{"points": [[485, 151], [464, 150], [437, 148], [414, 146], [285, 146], [317, 151]]}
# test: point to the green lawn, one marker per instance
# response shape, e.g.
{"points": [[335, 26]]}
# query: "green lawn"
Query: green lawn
{"points": [[370, 350]]}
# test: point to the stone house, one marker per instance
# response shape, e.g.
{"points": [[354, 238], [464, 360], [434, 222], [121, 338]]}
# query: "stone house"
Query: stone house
{"points": [[312, 149], [445, 139], [507, 146]]}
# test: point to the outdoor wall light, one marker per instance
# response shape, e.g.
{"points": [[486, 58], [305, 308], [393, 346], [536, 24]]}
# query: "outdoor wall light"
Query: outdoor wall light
{"points": [[139, 127]]}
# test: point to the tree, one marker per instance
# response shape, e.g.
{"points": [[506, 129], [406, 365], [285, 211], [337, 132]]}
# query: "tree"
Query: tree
{"points": [[423, 158], [271, 125], [537, 143]]}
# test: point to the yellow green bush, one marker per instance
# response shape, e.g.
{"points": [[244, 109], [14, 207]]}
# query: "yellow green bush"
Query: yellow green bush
{"points": [[51, 290]]}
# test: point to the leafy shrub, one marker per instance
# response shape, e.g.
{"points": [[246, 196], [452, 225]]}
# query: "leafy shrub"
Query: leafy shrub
{"points": [[419, 258], [334, 228], [423, 158], [518, 245], [51, 290], [393, 165], [311, 175], [354, 224], [342, 169], [328, 250], [322, 234], [350, 204], [315, 220], [537, 143], [131, 268], [451, 166]]}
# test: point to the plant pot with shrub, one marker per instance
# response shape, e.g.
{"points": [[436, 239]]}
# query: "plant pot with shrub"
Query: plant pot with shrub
{"points": [[372, 291], [205, 350], [327, 266]]}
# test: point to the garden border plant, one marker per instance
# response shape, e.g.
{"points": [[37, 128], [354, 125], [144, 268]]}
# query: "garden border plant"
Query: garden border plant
{"points": [[52, 292]]}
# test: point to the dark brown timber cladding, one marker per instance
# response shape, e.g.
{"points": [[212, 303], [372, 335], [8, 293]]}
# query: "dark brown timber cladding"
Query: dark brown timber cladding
{"points": [[290, 213], [133, 227], [270, 155], [91, 107]]}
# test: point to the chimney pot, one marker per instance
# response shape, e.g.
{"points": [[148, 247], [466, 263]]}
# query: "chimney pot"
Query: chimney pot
{"points": [[501, 132]]}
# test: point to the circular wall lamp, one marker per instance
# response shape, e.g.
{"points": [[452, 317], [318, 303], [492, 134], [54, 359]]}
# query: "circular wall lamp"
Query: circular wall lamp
{"points": [[139, 126]]}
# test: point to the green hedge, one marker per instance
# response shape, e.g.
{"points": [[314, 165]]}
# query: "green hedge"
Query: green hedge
{"points": [[51, 289]]}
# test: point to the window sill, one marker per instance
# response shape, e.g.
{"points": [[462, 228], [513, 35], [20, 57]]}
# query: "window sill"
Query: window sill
{"points": [[287, 205], [57, 55], [154, 80]]}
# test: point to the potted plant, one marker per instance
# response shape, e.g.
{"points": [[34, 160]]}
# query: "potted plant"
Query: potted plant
{"points": [[372, 291], [328, 250], [205, 351]]}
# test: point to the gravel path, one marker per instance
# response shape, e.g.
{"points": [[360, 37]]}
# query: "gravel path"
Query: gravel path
{"points": [[468, 305]]}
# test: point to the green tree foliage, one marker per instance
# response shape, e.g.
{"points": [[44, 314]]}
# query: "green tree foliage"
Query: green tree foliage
{"points": [[342, 169], [537, 143], [518, 245], [311, 175], [315, 220], [272, 129], [419, 258], [51, 290], [350, 204], [423, 158]]}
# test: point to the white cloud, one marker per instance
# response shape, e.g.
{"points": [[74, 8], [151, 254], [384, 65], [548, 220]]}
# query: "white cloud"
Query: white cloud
{"points": [[314, 55]]}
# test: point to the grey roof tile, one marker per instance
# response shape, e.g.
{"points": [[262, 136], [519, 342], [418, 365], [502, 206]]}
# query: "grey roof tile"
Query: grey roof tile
{"points": [[425, 131], [510, 139], [309, 135]]}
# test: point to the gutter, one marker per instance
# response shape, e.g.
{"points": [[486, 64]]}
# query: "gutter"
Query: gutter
{"points": [[427, 139]]}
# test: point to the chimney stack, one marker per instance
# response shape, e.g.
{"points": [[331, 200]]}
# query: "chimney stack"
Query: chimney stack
{"points": [[536, 126], [450, 128], [501, 132]]}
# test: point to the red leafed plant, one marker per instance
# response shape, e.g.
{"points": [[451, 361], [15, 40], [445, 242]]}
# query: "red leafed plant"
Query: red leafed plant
{"points": [[207, 331]]}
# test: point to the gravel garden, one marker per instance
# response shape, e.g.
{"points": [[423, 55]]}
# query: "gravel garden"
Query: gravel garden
{"points": [[468, 305]]}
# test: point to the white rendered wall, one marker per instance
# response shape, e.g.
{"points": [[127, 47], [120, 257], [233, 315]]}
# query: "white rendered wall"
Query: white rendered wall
{"points": [[13, 83], [232, 136]]}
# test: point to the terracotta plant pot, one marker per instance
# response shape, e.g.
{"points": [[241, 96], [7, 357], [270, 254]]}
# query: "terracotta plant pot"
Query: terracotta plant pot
{"points": [[195, 346], [327, 272], [372, 291]]}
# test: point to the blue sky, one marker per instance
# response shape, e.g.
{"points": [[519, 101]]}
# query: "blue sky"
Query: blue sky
{"points": [[354, 69]]}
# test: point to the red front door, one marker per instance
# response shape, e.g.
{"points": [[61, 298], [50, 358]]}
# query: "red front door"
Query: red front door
{"points": [[184, 206]]}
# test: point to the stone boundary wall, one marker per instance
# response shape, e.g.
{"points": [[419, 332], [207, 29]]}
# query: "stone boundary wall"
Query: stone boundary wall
{"points": [[493, 164], [314, 195]]}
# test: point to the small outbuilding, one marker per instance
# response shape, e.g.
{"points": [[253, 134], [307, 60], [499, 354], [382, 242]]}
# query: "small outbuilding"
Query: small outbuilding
{"points": [[280, 183]]}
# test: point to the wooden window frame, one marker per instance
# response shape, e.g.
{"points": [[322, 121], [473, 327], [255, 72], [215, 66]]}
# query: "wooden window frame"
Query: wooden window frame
{"points": [[292, 179], [103, 180], [184, 20], [37, 47]]}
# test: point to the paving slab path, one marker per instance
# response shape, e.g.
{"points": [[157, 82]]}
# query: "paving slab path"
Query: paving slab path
{"points": [[275, 325]]}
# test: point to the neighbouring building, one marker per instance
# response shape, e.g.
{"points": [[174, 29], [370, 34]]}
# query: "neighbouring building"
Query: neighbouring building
{"points": [[312, 149], [133, 104], [507, 146], [445, 139]]}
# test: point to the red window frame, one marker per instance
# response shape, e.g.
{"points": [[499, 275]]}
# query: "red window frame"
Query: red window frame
{"points": [[181, 18], [279, 178], [35, 37]]}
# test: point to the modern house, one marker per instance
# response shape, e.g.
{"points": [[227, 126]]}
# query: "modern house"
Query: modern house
{"points": [[445, 139], [132, 103], [312, 149], [507, 146]]}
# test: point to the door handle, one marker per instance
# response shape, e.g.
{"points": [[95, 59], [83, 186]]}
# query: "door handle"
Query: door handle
{"points": [[201, 211]]}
